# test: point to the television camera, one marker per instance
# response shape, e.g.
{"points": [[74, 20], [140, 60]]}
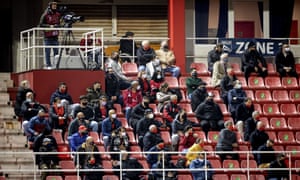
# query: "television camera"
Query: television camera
{"points": [[69, 17]]}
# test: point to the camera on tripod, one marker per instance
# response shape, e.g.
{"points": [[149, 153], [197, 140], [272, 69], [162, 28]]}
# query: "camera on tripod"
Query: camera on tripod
{"points": [[69, 17]]}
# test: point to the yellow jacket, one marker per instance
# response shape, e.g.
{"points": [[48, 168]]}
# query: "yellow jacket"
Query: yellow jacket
{"points": [[193, 153]]}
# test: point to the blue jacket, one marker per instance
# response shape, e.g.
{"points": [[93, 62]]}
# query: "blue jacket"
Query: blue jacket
{"points": [[107, 126], [76, 140], [240, 96], [200, 174], [38, 124], [65, 96]]}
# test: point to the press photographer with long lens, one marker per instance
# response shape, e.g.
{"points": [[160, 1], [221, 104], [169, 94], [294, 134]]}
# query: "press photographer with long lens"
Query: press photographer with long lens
{"points": [[50, 19]]}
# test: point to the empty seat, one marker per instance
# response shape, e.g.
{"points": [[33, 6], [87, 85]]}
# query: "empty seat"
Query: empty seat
{"points": [[288, 110], [201, 68], [236, 69], [271, 110], [250, 94], [238, 177], [68, 167], [272, 82], [220, 176], [182, 82], [231, 166], [266, 122], [165, 135], [119, 110], [257, 107], [289, 83], [278, 123], [57, 134], [224, 109], [72, 177], [137, 152], [54, 178], [280, 96], [216, 164], [212, 137], [246, 153], [132, 140], [107, 165], [188, 108], [297, 67], [263, 96], [286, 137], [294, 150], [104, 155], [278, 148], [255, 83], [271, 69], [293, 123], [125, 123], [130, 69], [184, 177], [64, 152], [243, 82], [95, 136], [207, 79], [257, 177], [294, 96], [172, 81], [272, 135]]}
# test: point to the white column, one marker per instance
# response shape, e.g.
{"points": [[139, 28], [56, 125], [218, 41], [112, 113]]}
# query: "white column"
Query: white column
{"points": [[230, 19], [266, 19], [114, 20]]}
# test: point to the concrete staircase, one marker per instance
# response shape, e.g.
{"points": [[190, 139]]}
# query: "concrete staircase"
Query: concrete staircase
{"points": [[16, 161]]}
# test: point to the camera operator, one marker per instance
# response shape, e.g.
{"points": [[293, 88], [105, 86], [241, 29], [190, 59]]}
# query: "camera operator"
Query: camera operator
{"points": [[119, 141], [50, 19]]}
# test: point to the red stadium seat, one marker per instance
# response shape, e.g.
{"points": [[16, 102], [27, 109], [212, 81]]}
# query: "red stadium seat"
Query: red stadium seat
{"points": [[64, 150], [184, 96], [236, 69], [165, 135], [212, 137], [293, 123], [101, 148], [250, 94], [184, 177], [256, 83], [247, 154], [207, 79], [188, 108], [289, 83], [294, 150], [119, 110], [72, 177], [257, 107], [278, 148], [107, 165], [201, 68], [216, 164], [257, 177], [229, 164], [54, 178], [155, 110], [95, 136], [280, 96], [182, 82], [272, 82], [172, 81], [271, 70], [243, 81], [209, 149], [278, 123], [220, 176], [110, 177], [263, 96], [289, 110], [272, 135], [271, 110], [138, 153], [238, 177], [132, 140], [57, 134], [217, 97], [294, 96], [266, 122], [68, 167], [130, 69], [145, 165], [286, 137], [224, 109]]}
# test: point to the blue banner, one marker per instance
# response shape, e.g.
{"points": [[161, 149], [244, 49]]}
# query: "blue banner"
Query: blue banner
{"points": [[236, 47]]}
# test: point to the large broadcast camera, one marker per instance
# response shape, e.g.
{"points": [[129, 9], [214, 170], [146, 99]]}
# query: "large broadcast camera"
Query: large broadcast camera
{"points": [[69, 17]]}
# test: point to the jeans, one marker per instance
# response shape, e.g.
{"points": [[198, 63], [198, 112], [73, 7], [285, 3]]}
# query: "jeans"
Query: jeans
{"points": [[50, 42], [174, 70]]}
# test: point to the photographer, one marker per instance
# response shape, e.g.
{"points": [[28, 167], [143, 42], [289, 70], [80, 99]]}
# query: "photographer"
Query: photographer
{"points": [[50, 19], [119, 141]]}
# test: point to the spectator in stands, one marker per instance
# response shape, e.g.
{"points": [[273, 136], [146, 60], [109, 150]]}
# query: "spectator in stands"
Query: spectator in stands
{"points": [[244, 110], [138, 112], [155, 83], [214, 56], [128, 47], [198, 95], [127, 163], [200, 168], [220, 70], [267, 156], [144, 123], [227, 141], [145, 53], [192, 83], [76, 139], [109, 124], [144, 82], [152, 158], [164, 162], [253, 61], [119, 141], [163, 96], [91, 45], [193, 151], [62, 93], [170, 110], [282, 174], [50, 19], [151, 138], [236, 96], [91, 165], [37, 125], [75, 123], [188, 138], [152, 67], [132, 97], [23, 89], [249, 125], [113, 63], [88, 113], [58, 116], [178, 126], [258, 137], [210, 115], [93, 93], [227, 84], [285, 61], [29, 109], [167, 59], [101, 110], [112, 87]]}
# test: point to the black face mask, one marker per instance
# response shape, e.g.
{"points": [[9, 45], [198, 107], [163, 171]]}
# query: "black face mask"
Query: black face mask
{"points": [[85, 103], [98, 89], [203, 89], [146, 104], [194, 74]]}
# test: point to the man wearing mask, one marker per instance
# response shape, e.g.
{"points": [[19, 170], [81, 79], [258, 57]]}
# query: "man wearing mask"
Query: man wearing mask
{"points": [[78, 138], [110, 124], [23, 89], [88, 113], [227, 141], [192, 83], [112, 87], [151, 138], [258, 137], [210, 115], [75, 123], [244, 110], [214, 56], [249, 125], [101, 110], [227, 84], [62, 93], [94, 93], [144, 124], [236, 96], [37, 125], [132, 97], [198, 96], [279, 162], [145, 53], [152, 68], [253, 61], [285, 61], [220, 70], [167, 59], [170, 110]]}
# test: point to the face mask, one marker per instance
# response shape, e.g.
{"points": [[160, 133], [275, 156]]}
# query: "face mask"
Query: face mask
{"points": [[84, 103], [98, 89], [287, 49], [166, 47], [158, 77], [28, 100], [63, 90], [114, 116], [150, 116], [123, 133], [92, 161], [144, 76], [203, 89], [174, 101], [59, 105], [231, 127], [238, 86], [138, 87], [103, 103], [261, 128], [81, 119], [194, 74], [154, 131]]}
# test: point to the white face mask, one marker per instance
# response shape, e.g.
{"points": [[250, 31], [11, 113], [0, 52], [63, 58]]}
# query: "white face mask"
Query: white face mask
{"points": [[123, 133], [103, 103], [114, 116], [150, 116], [29, 100], [138, 87], [238, 86], [287, 49], [59, 105], [144, 75], [158, 76]]}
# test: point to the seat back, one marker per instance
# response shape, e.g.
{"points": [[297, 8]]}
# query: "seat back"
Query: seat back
{"points": [[212, 137], [255, 82], [129, 68], [280, 96], [201, 68], [172, 81], [263, 96], [229, 163], [293, 123], [294, 96], [110, 177], [184, 177], [271, 109], [272, 82], [57, 134], [182, 82], [289, 82], [54, 178], [72, 177], [288, 110], [238, 177], [278, 123], [294, 150], [286, 137]]}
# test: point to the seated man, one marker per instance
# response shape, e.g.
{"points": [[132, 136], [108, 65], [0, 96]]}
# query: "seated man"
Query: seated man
{"points": [[214, 56], [112, 87], [198, 95], [145, 53], [128, 47], [76, 139], [167, 59], [236, 96], [192, 83], [151, 138], [267, 156], [37, 125], [94, 93], [62, 93]]}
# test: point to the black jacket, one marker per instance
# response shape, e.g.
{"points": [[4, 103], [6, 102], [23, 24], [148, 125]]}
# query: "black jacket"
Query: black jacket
{"points": [[198, 96], [209, 111]]}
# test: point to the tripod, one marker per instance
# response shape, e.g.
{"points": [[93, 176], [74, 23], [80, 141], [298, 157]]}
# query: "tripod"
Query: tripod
{"points": [[67, 41]]}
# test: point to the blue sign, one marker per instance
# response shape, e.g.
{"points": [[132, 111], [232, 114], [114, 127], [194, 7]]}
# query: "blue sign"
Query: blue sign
{"points": [[236, 47]]}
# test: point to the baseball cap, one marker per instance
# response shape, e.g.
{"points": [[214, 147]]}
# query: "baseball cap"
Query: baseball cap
{"points": [[82, 128]]}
